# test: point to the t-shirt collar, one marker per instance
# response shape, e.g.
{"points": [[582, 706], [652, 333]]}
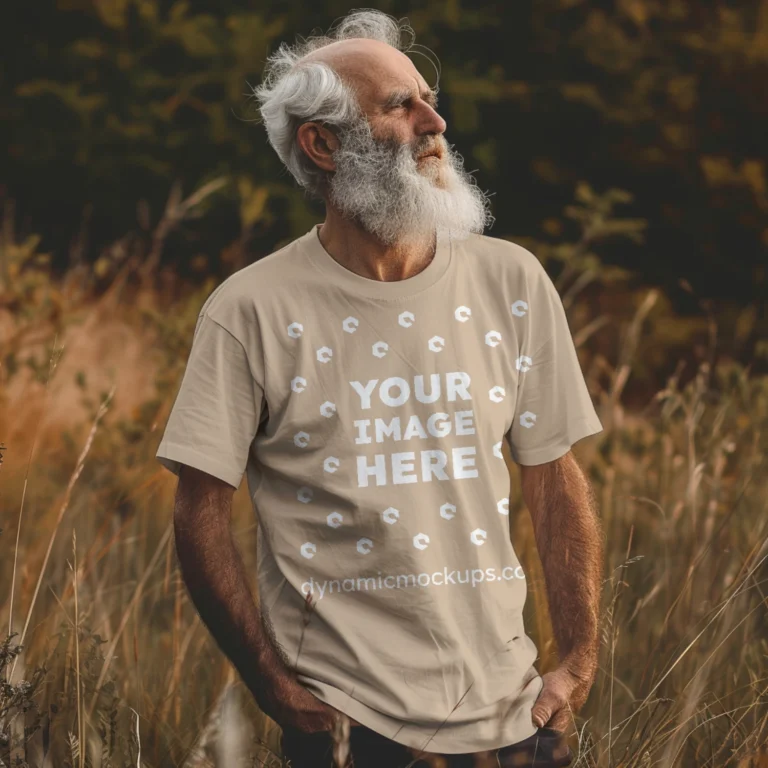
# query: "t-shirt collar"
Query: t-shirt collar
{"points": [[394, 289]]}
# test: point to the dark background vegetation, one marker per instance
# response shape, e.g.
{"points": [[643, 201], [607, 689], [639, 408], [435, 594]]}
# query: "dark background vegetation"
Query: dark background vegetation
{"points": [[106, 102]]}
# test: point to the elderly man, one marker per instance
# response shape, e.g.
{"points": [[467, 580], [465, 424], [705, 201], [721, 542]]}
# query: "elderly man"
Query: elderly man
{"points": [[364, 377]]}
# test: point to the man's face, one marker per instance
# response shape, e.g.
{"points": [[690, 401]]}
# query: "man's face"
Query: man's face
{"points": [[381, 179], [398, 196]]}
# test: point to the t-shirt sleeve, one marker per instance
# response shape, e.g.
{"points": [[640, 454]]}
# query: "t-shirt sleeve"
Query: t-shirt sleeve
{"points": [[216, 414], [553, 409]]}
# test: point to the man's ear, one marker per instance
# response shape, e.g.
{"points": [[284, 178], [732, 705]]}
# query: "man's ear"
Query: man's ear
{"points": [[318, 142], [329, 135]]}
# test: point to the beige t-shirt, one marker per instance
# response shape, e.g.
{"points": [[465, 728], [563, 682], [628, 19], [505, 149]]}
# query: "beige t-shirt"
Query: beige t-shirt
{"points": [[368, 417]]}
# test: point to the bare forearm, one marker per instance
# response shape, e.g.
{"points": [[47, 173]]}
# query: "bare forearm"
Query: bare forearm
{"points": [[569, 540], [215, 577]]}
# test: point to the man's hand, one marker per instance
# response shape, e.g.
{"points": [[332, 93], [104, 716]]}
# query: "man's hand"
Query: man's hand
{"points": [[564, 692], [570, 543], [291, 704], [215, 576]]}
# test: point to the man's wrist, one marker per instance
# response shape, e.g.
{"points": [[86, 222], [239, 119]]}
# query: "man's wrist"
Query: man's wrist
{"points": [[263, 678], [581, 664]]}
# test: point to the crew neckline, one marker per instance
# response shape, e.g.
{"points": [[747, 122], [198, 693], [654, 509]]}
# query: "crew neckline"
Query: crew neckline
{"points": [[382, 289]]}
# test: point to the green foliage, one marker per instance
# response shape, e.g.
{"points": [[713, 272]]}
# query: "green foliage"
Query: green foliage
{"points": [[110, 101], [16, 700]]}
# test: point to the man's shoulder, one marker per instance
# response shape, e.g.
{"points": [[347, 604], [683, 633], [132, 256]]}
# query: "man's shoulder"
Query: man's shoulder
{"points": [[258, 282], [502, 255]]}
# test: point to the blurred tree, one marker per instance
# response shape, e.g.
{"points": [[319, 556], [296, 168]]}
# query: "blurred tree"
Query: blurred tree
{"points": [[108, 102]]}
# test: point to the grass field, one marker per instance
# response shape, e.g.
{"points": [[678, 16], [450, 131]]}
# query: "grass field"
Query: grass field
{"points": [[87, 542]]}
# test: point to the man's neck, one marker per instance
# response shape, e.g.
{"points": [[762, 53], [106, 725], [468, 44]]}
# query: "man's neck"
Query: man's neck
{"points": [[360, 252]]}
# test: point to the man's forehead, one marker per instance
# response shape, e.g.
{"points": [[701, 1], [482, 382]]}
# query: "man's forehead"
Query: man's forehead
{"points": [[374, 67]]}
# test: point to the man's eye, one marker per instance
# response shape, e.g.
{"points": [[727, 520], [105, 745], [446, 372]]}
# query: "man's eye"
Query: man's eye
{"points": [[404, 104]]}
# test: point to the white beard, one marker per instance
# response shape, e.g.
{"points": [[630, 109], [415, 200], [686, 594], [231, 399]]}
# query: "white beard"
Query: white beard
{"points": [[400, 200]]}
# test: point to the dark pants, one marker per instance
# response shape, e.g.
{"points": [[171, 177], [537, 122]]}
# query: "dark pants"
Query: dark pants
{"points": [[546, 748]]}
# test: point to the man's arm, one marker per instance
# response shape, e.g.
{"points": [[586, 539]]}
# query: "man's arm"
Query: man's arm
{"points": [[214, 573], [569, 539], [215, 577]]}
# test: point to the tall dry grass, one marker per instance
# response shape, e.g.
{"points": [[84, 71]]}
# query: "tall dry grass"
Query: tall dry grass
{"points": [[106, 663]]}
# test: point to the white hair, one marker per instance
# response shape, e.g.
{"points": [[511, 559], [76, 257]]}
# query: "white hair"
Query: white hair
{"points": [[293, 92]]}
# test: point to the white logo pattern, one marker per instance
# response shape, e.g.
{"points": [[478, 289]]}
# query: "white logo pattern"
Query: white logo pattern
{"points": [[492, 338], [364, 546], [331, 464], [523, 363], [390, 515], [437, 343], [496, 394], [308, 549], [380, 348], [518, 308]]}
